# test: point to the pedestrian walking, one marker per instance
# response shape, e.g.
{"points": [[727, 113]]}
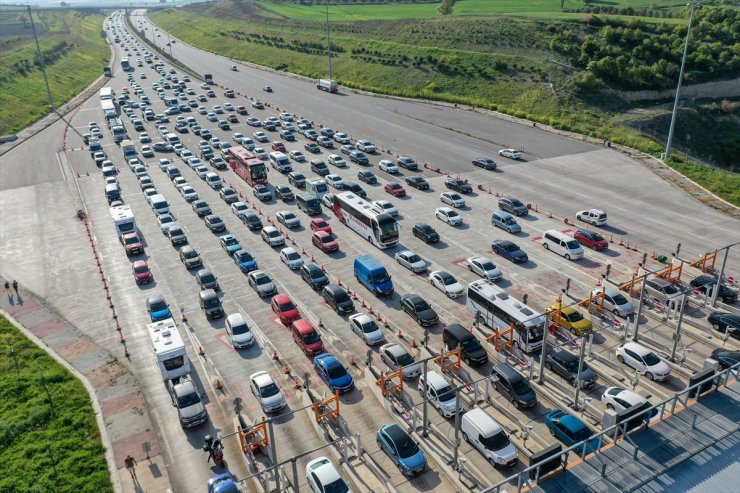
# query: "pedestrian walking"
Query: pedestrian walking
{"points": [[15, 286], [130, 465], [7, 288]]}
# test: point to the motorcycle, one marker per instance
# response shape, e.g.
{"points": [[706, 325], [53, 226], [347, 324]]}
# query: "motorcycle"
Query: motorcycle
{"points": [[215, 449]]}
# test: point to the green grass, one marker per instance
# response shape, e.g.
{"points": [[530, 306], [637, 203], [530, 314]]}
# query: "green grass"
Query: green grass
{"points": [[23, 97], [45, 447], [722, 183]]}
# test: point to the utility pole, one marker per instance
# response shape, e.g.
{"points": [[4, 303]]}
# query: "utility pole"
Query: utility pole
{"points": [[541, 377], [677, 334], [328, 39], [693, 4], [424, 415], [715, 291], [580, 369], [41, 60]]}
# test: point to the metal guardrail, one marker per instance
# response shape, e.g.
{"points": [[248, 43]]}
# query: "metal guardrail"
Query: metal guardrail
{"points": [[681, 398]]}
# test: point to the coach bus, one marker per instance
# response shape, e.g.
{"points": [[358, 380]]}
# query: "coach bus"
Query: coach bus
{"points": [[379, 229], [497, 309], [247, 165]]}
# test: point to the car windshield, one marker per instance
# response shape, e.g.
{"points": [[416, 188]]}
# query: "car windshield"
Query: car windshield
{"points": [[212, 303], [231, 241], [284, 307], [207, 278], [269, 390], [142, 269], [335, 370], [293, 256], [670, 289], [190, 254], [582, 434], [420, 305], [273, 234], [388, 229], [516, 203], [511, 247], [510, 220], [338, 486], [261, 280], [447, 279], [369, 327], [381, 277], [521, 387], [471, 345], [405, 359], [244, 257], [131, 240], [487, 266], [619, 300], [414, 258], [311, 337], [188, 400], [446, 393], [495, 442], [650, 359], [326, 239], [573, 244], [575, 317], [240, 329]]}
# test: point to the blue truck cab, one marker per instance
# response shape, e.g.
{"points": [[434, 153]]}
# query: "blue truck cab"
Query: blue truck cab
{"points": [[373, 276]]}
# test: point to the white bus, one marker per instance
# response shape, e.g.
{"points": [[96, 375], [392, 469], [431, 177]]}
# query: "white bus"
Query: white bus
{"points": [[169, 349], [106, 93], [380, 229], [496, 308]]}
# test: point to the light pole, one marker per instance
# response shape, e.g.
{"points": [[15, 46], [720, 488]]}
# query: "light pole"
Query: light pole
{"points": [[667, 152], [328, 39], [41, 60]]}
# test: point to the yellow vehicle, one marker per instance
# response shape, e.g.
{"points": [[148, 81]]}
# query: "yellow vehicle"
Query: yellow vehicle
{"points": [[571, 319]]}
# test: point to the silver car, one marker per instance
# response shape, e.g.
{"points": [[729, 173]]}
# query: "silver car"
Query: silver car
{"points": [[261, 283]]}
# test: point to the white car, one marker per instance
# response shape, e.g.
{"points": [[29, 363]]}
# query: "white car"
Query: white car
{"points": [[254, 122], [140, 171], [337, 161], [212, 117], [239, 209], [201, 170], [385, 206], [286, 117], [620, 399], [592, 216], [194, 161], [448, 215], [452, 198], [334, 181], [323, 477], [412, 261], [484, 268], [388, 166], [216, 142], [328, 200], [446, 282], [341, 138], [260, 137], [365, 326], [643, 360], [165, 221], [260, 153], [202, 110], [228, 107], [366, 146], [238, 331], [179, 182], [189, 193], [144, 138], [218, 109], [290, 257], [272, 236], [112, 180], [266, 391], [147, 151], [288, 219], [510, 153], [297, 156], [237, 137]]}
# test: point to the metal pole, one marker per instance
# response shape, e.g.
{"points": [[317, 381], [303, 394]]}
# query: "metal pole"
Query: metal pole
{"points": [[580, 370], [328, 39], [639, 309], [667, 152], [294, 465], [541, 378], [719, 279], [456, 455], [274, 454], [677, 335], [41, 60], [425, 425]]}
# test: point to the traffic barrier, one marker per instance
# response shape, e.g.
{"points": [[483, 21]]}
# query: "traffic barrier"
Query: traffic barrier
{"points": [[121, 339], [378, 318], [313, 259], [363, 304], [275, 356], [370, 309], [400, 334], [286, 370], [297, 384], [125, 351], [481, 188], [303, 252], [321, 324], [386, 324], [201, 351], [218, 384]]}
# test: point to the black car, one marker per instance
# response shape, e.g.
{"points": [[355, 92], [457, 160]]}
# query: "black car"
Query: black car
{"points": [[358, 157], [251, 220], [418, 308], [314, 276], [513, 386], [312, 147], [726, 358], [338, 299], [287, 135], [284, 193], [485, 163], [214, 223], [565, 364], [319, 167], [367, 177], [458, 185], [351, 186], [425, 233], [705, 284], [725, 322], [206, 134], [417, 182]]}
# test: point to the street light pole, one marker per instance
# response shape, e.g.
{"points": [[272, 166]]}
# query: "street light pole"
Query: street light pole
{"points": [[667, 152], [328, 39], [41, 60]]}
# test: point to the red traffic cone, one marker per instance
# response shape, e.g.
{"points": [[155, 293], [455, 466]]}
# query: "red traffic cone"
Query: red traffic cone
{"points": [[275, 356], [286, 370]]}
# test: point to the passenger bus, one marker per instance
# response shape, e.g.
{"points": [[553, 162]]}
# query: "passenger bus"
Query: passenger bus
{"points": [[379, 229], [125, 65], [497, 309], [247, 165]]}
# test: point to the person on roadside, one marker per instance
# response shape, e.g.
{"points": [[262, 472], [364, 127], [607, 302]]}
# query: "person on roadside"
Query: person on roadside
{"points": [[15, 286], [130, 463], [7, 288]]}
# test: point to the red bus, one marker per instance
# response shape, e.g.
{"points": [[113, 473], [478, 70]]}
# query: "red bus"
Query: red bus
{"points": [[247, 165]]}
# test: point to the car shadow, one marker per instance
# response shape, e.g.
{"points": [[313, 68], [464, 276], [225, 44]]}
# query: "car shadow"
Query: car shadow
{"points": [[528, 218], [610, 253], [613, 230]]}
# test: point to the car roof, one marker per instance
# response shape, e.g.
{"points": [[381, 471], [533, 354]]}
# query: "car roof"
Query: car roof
{"points": [[487, 425], [631, 397], [572, 423], [261, 378], [362, 318], [395, 432], [281, 298], [324, 470], [395, 349], [636, 348]]}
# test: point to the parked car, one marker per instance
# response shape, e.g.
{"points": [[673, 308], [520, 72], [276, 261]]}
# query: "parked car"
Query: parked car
{"points": [[565, 364], [643, 360], [725, 322], [419, 309], [591, 239], [705, 283], [425, 233], [570, 430], [509, 250], [333, 373], [401, 449]]}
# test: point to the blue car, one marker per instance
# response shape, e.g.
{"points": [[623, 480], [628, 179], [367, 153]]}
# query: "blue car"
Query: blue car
{"points": [[223, 483], [510, 250], [158, 308], [333, 373], [244, 260], [570, 430], [230, 244], [401, 449]]}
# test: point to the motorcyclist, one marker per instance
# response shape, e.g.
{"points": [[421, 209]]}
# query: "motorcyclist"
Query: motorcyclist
{"points": [[212, 447]]}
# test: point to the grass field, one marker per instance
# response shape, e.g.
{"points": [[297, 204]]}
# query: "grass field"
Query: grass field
{"points": [[49, 440], [74, 53]]}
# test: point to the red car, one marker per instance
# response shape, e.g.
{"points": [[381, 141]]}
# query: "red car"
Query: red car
{"points": [[306, 337], [142, 274], [284, 308], [232, 118], [211, 94], [230, 93], [591, 239], [324, 241], [320, 224], [278, 146], [395, 189], [132, 243], [242, 110]]}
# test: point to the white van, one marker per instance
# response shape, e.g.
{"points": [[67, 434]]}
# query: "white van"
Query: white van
{"points": [[172, 138], [280, 162], [213, 180], [562, 244], [159, 204], [441, 394], [484, 433]]}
